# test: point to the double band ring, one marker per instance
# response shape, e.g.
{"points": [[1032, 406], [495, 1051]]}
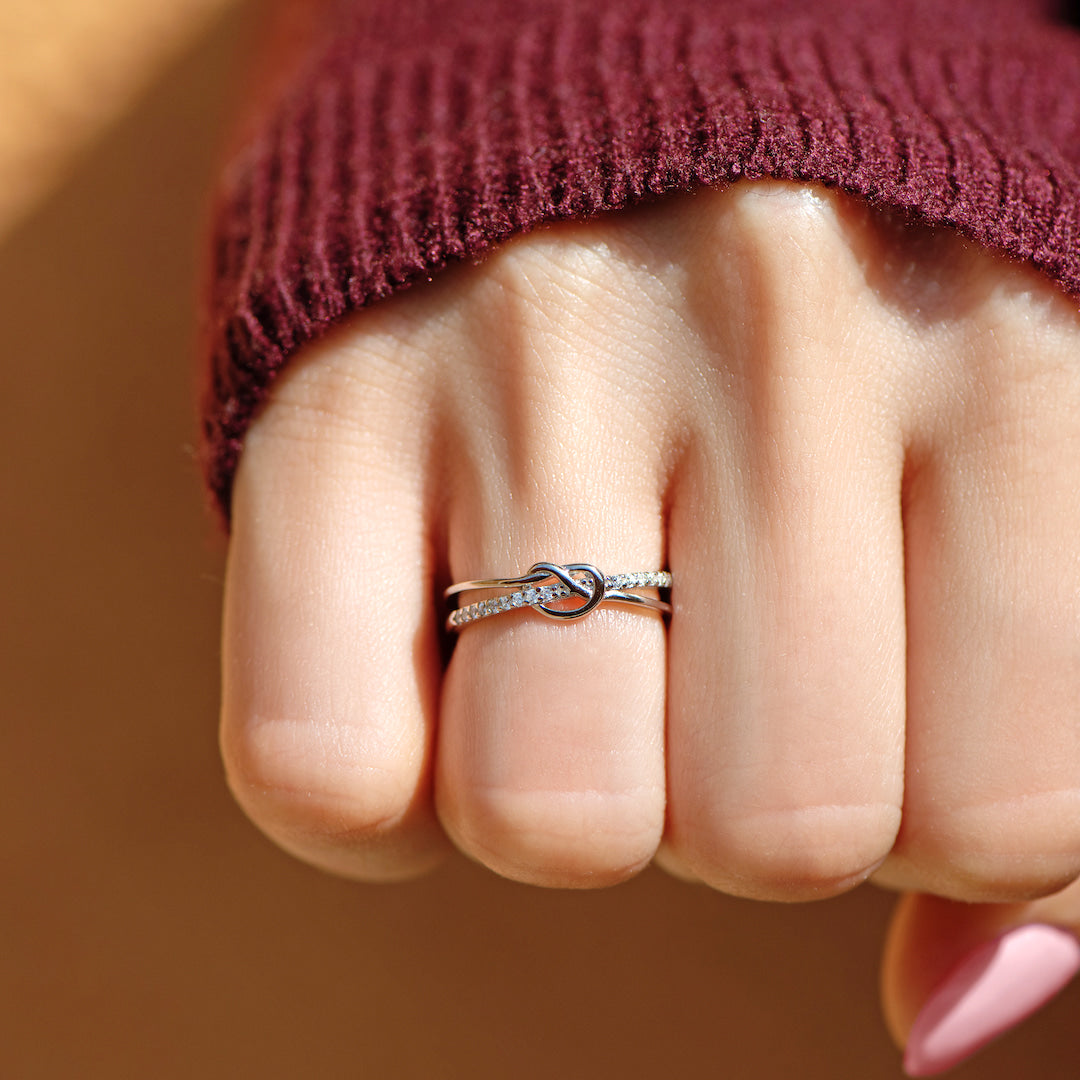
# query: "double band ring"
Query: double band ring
{"points": [[559, 592]]}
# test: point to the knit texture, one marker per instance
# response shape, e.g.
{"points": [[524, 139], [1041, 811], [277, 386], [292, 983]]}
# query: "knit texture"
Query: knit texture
{"points": [[422, 132]]}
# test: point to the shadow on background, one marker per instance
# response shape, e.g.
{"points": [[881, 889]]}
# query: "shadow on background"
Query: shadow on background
{"points": [[148, 930]]}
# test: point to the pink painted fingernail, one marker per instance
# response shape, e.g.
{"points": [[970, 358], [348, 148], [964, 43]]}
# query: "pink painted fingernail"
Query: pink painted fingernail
{"points": [[990, 991]]}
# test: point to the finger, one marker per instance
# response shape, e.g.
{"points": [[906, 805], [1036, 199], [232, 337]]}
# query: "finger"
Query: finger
{"points": [[992, 807], [330, 648], [550, 754], [957, 976], [787, 642]]}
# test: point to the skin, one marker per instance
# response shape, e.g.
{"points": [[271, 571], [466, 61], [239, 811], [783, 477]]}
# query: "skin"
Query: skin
{"points": [[856, 444]]}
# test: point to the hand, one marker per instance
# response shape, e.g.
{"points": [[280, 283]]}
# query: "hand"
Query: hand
{"points": [[854, 442]]}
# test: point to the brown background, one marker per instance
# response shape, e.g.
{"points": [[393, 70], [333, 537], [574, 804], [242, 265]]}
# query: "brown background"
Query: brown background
{"points": [[147, 930]]}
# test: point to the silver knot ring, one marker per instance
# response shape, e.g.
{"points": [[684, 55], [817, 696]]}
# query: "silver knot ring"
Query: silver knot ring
{"points": [[559, 592]]}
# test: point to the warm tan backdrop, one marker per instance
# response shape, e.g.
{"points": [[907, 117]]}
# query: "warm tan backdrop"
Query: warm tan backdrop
{"points": [[67, 67], [147, 930]]}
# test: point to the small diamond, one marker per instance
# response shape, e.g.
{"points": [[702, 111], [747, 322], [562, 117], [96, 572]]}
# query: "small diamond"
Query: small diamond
{"points": [[517, 600], [530, 595], [504, 603]]}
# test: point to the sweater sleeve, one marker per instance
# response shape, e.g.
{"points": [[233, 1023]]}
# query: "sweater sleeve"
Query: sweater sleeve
{"points": [[416, 133]]}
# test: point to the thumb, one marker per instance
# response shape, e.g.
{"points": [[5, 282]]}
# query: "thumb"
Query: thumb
{"points": [[956, 976]]}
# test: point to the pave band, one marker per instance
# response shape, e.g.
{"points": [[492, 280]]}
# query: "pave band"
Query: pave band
{"points": [[546, 585]]}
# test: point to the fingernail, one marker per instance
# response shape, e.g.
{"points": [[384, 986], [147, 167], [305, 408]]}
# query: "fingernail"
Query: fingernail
{"points": [[990, 991]]}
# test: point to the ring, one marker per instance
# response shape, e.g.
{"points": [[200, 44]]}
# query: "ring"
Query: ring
{"points": [[547, 584]]}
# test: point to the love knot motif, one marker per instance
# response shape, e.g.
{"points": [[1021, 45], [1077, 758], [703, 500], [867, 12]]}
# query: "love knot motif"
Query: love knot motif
{"points": [[591, 592], [577, 589]]}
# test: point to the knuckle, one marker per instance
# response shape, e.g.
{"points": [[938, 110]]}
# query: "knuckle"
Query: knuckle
{"points": [[568, 839], [552, 275], [779, 251], [795, 854], [570, 291], [785, 234], [1003, 851], [767, 211], [314, 783], [315, 404]]}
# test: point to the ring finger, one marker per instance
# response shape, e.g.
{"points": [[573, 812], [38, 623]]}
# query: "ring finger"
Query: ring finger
{"points": [[550, 760]]}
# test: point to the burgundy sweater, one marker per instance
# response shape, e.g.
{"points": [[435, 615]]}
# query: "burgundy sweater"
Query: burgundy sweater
{"points": [[421, 132]]}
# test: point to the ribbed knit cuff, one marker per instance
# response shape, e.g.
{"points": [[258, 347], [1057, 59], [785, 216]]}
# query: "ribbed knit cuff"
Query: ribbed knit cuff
{"points": [[424, 132]]}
